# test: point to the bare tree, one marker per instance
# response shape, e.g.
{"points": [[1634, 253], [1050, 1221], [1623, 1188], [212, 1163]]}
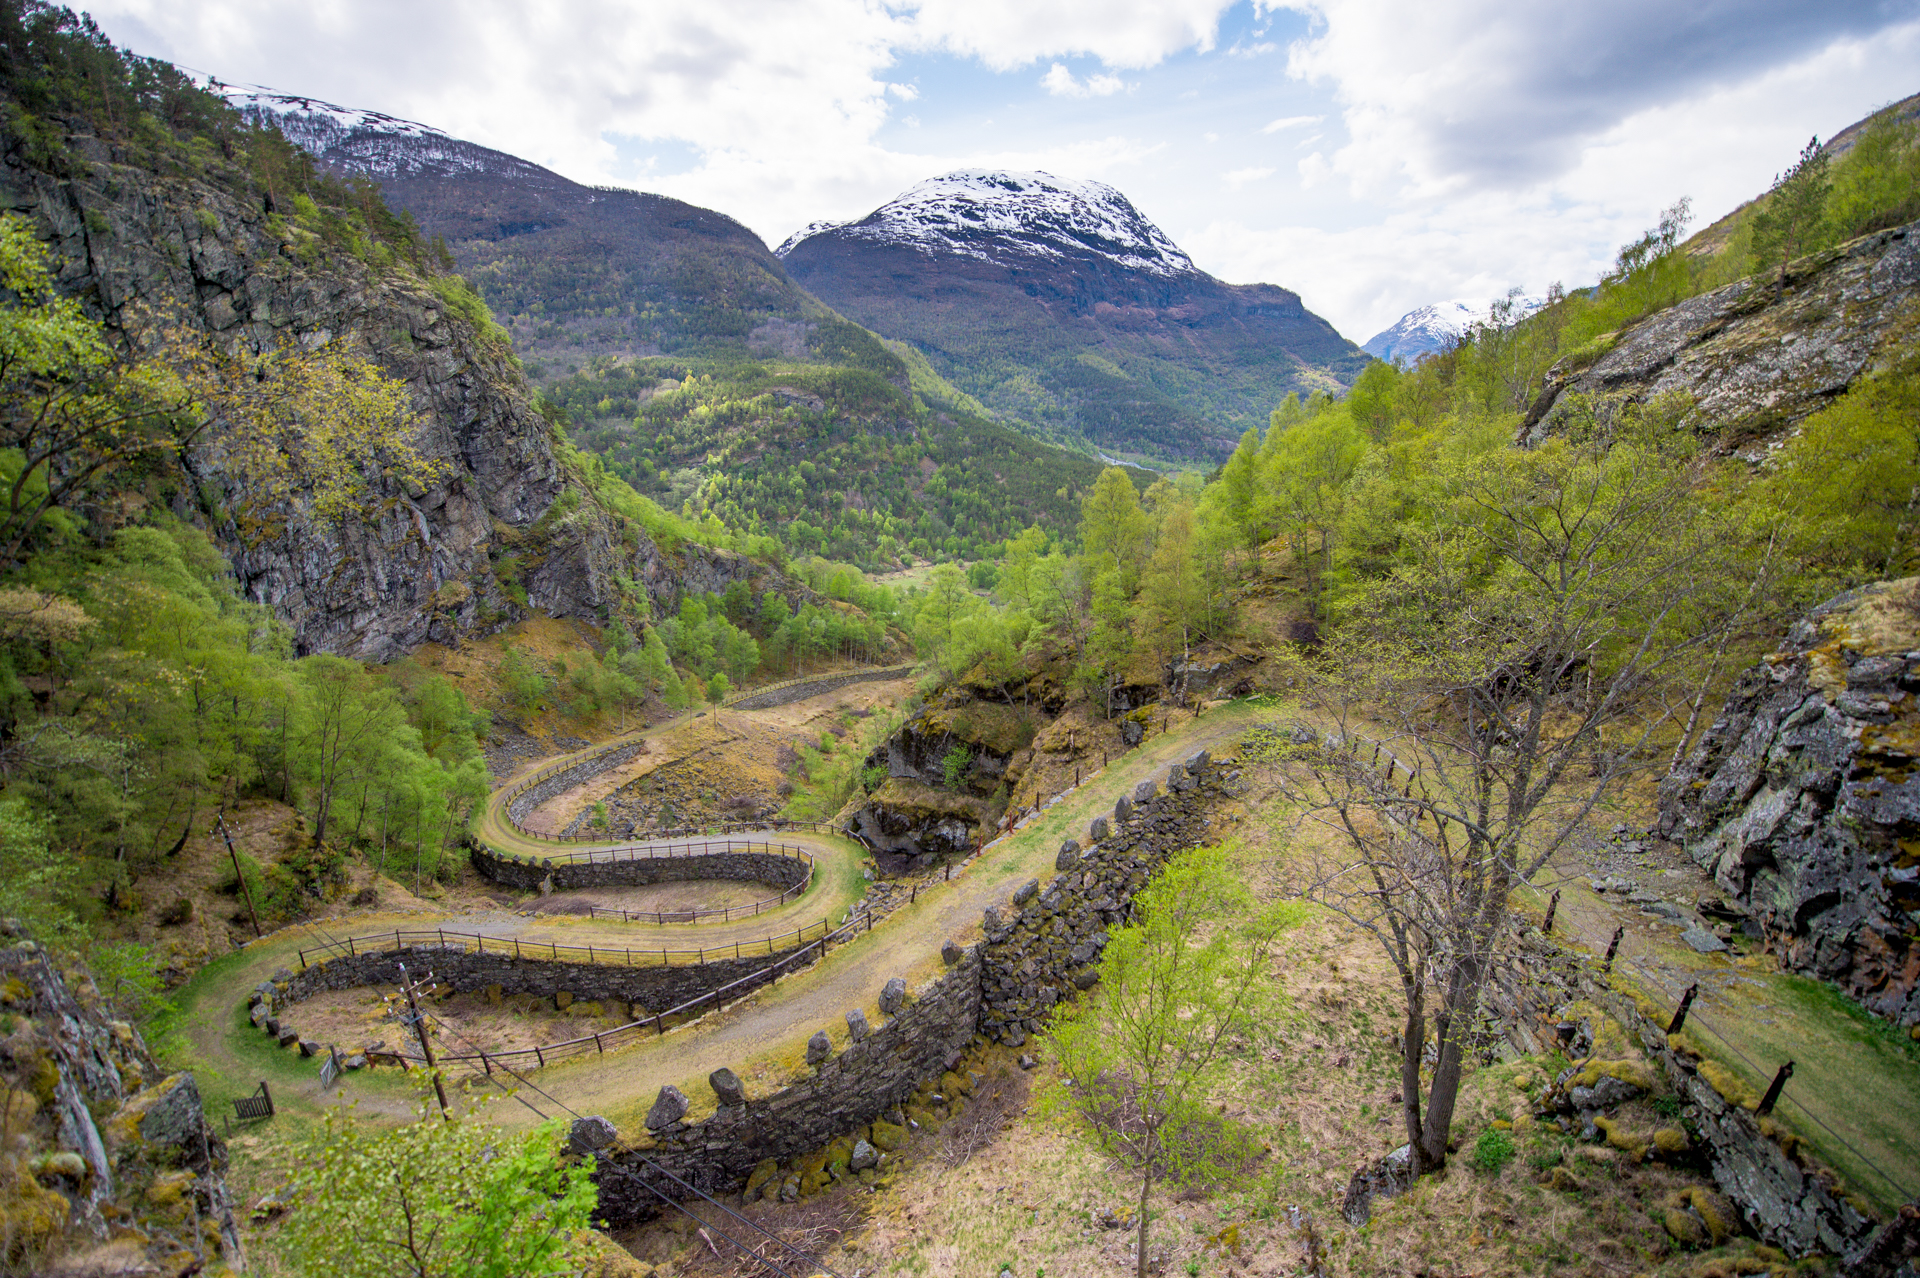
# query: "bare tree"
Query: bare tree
{"points": [[1547, 627]]}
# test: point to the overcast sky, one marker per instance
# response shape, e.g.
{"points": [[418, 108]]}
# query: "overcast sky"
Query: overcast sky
{"points": [[1374, 155]]}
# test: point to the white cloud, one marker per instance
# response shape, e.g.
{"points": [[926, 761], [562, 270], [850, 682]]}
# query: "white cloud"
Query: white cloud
{"points": [[1467, 146], [1488, 93], [1008, 34], [1061, 83], [1290, 122]]}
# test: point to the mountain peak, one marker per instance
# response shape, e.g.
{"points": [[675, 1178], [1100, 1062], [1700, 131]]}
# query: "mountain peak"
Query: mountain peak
{"points": [[1427, 329], [1001, 217], [372, 142]]}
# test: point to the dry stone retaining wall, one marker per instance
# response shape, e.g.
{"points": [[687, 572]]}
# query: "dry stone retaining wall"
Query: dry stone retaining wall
{"points": [[788, 693], [859, 1084], [777, 869], [1001, 987], [656, 987], [1040, 952], [567, 778]]}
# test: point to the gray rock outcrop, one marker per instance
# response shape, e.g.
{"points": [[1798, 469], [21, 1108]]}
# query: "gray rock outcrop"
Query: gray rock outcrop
{"points": [[1753, 359], [590, 1133], [1803, 797], [486, 542]]}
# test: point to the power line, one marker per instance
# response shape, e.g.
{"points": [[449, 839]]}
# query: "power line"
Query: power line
{"points": [[615, 1168], [1695, 1017]]}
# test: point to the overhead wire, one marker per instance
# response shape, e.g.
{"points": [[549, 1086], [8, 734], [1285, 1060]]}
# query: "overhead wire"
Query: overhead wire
{"points": [[450, 1031]]}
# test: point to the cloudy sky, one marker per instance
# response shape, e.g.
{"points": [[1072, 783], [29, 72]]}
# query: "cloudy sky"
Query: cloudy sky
{"points": [[1375, 155]]}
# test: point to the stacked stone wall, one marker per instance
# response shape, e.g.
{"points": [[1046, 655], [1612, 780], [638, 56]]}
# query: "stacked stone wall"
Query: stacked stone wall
{"points": [[1788, 1204], [567, 778], [1043, 950], [856, 1086], [778, 870], [790, 693], [656, 987], [1047, 946]]}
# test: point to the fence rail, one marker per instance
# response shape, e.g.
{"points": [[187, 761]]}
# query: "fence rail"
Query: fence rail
{"points": [[614, 855], [546, 773], [546, 1054], [402, 939]]}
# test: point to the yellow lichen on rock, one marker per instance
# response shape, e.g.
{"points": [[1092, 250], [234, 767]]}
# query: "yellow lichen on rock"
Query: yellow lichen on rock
{"points": [[1732, 1088]]}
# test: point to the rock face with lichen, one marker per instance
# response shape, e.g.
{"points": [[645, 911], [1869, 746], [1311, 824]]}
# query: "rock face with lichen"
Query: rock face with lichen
{"points": [[508, 529], [110, 1163], [1756, 356], [1803, 798]]}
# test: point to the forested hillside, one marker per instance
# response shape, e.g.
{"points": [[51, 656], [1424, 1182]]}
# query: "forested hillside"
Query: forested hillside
{"points": [[1055, 303], [797, 426], [251, 428]]}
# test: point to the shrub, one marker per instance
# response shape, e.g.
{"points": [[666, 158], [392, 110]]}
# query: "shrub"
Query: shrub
{"points": [[1493, 1151]]}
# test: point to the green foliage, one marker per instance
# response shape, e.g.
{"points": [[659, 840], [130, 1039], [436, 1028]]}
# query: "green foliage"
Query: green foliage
{"points": [[438, 1199], [34, 878], [1850, 479], [955, 765], [1140, 1051], [1790, 223], [830, 461], [466, 303], [1492, 1151]]}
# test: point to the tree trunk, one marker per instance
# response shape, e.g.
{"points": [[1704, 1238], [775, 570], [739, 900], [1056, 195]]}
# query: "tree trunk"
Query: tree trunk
{"points": [[1413, 1041], [1140, 1255]]}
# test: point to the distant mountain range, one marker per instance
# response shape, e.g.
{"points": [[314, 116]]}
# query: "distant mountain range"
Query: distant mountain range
{"points": [[1059, 303], [574, 271], [1429, 329], [1053, 303]]}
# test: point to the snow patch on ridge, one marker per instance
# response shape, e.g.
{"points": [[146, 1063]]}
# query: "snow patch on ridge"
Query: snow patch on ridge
{"points": [[998, 217], [1430, 328], [369, 141]]}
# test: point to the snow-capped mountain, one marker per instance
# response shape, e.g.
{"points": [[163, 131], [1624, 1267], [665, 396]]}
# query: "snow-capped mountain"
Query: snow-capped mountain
{"points": [[1054, 301], [372, 142], [1430, 328], [1001, 217]]}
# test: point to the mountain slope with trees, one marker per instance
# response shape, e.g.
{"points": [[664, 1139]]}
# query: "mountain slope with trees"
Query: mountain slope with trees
{"points": [[1055, 302]]}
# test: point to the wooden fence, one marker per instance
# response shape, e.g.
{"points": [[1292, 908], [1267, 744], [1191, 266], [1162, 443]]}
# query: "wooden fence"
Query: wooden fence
{"points": [[543, 1055], [401, 939]]}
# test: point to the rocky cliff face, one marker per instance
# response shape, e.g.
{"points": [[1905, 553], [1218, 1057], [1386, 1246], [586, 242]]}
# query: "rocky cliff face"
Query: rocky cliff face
{"points": [[1755, 358], [1803, 798], [418, 565], [99, 1141]]}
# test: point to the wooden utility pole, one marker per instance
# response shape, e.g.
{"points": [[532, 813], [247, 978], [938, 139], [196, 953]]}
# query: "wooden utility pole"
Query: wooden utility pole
{"points": [[426, 1041], [245, 891]]}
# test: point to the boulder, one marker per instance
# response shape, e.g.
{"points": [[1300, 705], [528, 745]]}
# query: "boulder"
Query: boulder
{"points": [[1702, 940], [1097, 830], [1122, 811], [1026, 892], [1145, 792], [1198, 761], [727, 1087], [1067, 857], [591, 1133], [951, 953], [893, 996], [857, 1027], [170, 1113], [1131, 733], [668, 1108], [864, 1156], [819, 1047]]}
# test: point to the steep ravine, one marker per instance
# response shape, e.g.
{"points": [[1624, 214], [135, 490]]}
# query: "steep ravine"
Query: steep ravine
{"points": [[418, 565]]}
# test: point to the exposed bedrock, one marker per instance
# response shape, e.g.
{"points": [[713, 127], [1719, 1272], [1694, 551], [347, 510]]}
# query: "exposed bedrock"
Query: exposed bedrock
{"points": [[1803, 797]]}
